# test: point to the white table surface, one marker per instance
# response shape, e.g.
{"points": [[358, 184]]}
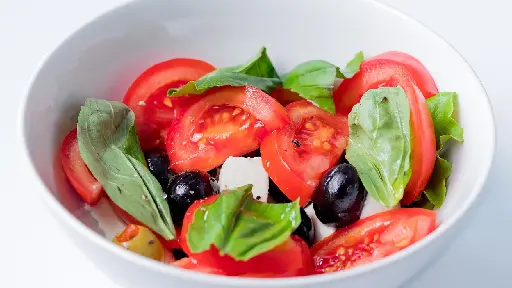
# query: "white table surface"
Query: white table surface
{"points": [[44, 257]]}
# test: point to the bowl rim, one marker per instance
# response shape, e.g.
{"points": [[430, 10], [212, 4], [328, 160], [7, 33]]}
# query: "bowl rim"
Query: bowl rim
{"points": [[164, 269]]}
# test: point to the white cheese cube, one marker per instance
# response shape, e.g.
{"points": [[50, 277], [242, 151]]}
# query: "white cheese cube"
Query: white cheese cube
{"points": [[371, 206], [321, 230], [240, 171]]}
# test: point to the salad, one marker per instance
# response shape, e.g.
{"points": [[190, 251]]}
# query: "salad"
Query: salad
{"points": [[242, 171]]}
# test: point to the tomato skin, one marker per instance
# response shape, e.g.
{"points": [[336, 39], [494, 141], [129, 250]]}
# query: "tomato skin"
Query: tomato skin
{"points": [[418, 71], [89, 189], [388, 73], [372, 238], [292, 258], [129, 219], [290, 157], [146, 95], [261, 114], [191, 264]]}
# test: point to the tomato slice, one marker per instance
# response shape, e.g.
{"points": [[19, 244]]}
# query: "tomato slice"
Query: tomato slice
{"points": [[129, 219], [292, 258], [147, 97], [372, 238], [388, 73], [296, 156], [227, 121], [89, 189], [418, 71], [191, 264]]}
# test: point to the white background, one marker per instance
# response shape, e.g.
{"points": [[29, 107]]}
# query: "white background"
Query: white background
{"points": [[38, 253]]}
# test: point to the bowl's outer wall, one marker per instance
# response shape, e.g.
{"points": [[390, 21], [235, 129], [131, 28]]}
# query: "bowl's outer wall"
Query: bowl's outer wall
{"points": [[103, 58]]}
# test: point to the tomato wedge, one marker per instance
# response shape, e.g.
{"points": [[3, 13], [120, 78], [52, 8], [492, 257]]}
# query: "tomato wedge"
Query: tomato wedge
{"points": [[227, 121], [147, 97], [418, 71], [191, 264], [292, 258], [89, 189], [295, 157], [372, 238], [128, 219], [388, 73]]}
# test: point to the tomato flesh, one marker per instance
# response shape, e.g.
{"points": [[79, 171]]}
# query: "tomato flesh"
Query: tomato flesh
{"points": [[227, 121], [89, 189], [296, 156], [147, 97], [418, 71], [292, 258], [191, 264], [372, 238], [388, 73]]}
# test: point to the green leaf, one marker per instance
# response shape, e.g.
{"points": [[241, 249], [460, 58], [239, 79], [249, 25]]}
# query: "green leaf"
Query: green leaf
{"points": [[314, 80], [441, 108], [240, 226], [352, 67], [436, 187], [109, 146], [380, 143], [446, 127], [259, 72]]}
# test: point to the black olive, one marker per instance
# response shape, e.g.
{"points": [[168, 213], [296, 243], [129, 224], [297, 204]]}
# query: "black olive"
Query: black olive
{"points": [[339, 198], [158, 164], [214, 173], [184, 189], [276, 194], [179, 254], [306, 231]]}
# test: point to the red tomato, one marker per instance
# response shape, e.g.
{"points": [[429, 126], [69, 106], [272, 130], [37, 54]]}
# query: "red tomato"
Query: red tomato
{"points": [[372, 238], [89, 189], [191, 264], [418, 71], [129, 219], [291, 258], [387, 73], [227, 121], [296, 156], [147, 94]]}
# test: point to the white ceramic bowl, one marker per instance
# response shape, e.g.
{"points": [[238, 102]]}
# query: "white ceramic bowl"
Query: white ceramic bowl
{"points": [[104, 57]]}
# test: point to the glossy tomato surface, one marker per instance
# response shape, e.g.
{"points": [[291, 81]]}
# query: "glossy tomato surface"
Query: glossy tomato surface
{"points": [[372, 238], [191, 264], [296, 156], [227, 121], [89, 189], [388, 73], [292, 258], [418, 71], [147, 97]]}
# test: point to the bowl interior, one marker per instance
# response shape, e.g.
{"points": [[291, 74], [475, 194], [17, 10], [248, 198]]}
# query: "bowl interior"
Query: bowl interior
{"points": [[102, 59]]}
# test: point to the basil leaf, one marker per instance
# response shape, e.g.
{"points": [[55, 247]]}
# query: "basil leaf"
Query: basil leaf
{"points": [[441, 108], [352, 67], [446, 127], [436, 187], [380, 143], [240, 226], [109, 146], [259, 72], [314, 80]]}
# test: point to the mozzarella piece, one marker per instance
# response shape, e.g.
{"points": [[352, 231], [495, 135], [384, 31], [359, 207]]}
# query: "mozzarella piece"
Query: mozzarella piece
{"points": [[371, 206], [240, 171], [321, 230], [108, 221]]}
